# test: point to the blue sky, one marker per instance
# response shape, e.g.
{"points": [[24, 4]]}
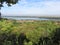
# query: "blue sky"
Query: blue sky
{"points": [[33, 8]]}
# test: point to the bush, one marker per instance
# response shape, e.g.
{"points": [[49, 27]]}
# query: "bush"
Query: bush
{"points": [[33, 31]]}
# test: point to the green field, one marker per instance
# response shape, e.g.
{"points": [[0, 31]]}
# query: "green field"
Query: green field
{"points": [[25, 32]]}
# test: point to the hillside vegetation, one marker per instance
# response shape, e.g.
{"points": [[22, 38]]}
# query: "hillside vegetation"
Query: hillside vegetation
{"points": [[42, 32]]}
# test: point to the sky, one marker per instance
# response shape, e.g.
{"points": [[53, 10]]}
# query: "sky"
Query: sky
{"points": [[33, 8]]}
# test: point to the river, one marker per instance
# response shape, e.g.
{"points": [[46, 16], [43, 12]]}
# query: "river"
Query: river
{"points": [[29, 18]]}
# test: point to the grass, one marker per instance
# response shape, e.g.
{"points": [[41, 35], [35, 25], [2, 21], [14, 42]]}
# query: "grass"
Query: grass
{"points": [[32, 29]]}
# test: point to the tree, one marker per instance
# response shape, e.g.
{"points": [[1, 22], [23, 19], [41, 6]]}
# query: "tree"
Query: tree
{"points": [[8, 2], [56, 37]]}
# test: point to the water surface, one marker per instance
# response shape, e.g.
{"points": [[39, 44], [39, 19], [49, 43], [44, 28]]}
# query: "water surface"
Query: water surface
{"points": [[29, 18]]}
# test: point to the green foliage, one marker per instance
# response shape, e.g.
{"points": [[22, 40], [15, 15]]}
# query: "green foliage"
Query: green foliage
{"points": [[33, 30], [8, 2], [30, 43]]}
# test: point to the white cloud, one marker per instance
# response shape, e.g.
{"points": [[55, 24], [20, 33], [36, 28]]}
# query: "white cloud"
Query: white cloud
{"points": [[35, 8], [49, 8]]}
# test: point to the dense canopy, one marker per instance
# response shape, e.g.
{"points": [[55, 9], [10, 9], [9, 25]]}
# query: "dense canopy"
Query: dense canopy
{"points": [[8, 2]]}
